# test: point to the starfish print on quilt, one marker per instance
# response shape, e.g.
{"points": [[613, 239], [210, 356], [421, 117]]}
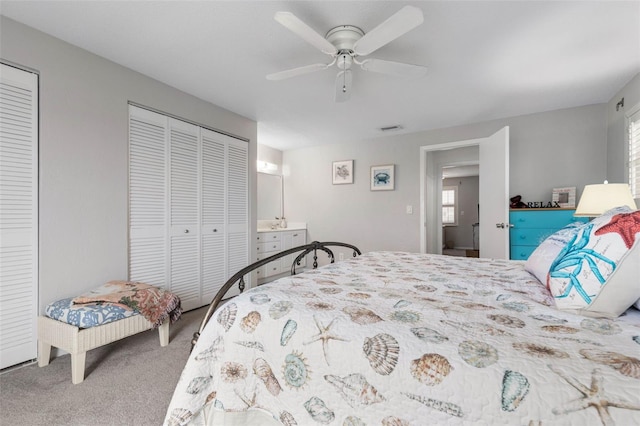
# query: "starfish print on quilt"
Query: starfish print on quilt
{"points": [[324, 335], [594, 396], [625, 224]]}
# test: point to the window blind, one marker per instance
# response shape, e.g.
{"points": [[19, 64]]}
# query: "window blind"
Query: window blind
{"points": [[634, 154]]}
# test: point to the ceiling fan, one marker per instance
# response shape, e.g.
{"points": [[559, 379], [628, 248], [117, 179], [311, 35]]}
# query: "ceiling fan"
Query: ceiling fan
{"points": [[347, 43]]}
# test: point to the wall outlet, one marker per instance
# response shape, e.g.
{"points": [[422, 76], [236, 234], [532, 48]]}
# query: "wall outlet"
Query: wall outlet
{"points": [[409, 209], [340, 256]]}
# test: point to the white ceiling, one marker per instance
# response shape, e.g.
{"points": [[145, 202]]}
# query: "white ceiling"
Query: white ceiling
{"points": [[486, 59]]}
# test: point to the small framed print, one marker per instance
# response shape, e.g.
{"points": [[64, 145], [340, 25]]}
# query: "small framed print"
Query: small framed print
{"points": [[382, 177], [342, 172], [564, 197]]}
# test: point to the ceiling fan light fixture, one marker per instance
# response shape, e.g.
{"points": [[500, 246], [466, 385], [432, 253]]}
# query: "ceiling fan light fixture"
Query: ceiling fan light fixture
{"points": [[346, 43]]}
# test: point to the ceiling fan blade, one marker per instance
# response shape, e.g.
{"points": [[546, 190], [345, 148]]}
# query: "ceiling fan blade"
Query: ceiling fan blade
{"points": [[343, 86], [396, 25], [294, 72], [294, 24], [399, 69]]}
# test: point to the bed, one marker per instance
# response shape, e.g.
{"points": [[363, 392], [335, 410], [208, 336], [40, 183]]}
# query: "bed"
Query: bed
{"points": [[395, 338]]}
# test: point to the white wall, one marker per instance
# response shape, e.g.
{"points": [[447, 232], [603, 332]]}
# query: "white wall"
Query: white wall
{"points": [[616, 131], [84, 155], [549, 149]]}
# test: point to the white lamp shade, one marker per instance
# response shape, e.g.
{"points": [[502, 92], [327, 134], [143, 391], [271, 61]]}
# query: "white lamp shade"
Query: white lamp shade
{"points": [[597, 199]]}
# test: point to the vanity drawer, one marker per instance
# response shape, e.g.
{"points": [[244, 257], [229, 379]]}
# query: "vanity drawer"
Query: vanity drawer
{"points": [[269, 247], [265, 237], [270, 269]]}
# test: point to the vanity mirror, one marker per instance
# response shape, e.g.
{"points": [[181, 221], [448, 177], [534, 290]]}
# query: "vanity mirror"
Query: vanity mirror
{"points": [[269, 191]]}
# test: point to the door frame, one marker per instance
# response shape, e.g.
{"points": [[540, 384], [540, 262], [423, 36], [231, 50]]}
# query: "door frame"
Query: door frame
{"points": [[429, 219], [430, 182]]}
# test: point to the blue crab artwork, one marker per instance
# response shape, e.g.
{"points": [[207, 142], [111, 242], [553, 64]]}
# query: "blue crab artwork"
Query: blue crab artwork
{"points": [[382, 178], [574, 254]]}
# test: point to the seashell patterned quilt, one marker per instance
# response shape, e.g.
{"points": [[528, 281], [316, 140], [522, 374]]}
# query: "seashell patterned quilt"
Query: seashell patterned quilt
{"points": [[392, 338]]}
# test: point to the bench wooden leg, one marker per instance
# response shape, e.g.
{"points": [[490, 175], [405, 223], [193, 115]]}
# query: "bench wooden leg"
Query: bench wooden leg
{"points": [[163, 330], [44, 353], [77, 367]]}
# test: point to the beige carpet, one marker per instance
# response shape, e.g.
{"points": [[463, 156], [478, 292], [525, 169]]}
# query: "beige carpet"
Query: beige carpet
{"points": [[129, 382]]}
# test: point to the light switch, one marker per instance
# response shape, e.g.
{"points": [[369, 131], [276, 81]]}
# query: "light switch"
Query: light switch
{"points": [[409, 209]]}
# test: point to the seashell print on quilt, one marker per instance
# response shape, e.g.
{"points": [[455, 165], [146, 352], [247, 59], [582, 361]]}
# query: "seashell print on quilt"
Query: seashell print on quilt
{"points": [[213, 352], [477, 354], [319, 411], [250, 322], [431, 369], [295, 370], [629, 366], [287, 332], [280, 309], [382, 351], [361, 316], [514, 389], [262, 369], [227, 315], [355, 389]]}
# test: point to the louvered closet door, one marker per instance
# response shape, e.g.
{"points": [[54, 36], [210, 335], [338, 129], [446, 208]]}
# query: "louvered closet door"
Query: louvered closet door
{"points": [[213, 228], [237, 206], [18, 215], [184, 207], [147, 197]]}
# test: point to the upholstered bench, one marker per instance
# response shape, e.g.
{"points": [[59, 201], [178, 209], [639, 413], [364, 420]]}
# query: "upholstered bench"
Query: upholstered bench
{"points": [[78, 328]]}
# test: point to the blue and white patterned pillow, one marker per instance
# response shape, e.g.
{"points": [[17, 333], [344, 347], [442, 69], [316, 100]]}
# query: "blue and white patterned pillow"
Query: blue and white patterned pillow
{"points": [[597, 272], [85, 316]]}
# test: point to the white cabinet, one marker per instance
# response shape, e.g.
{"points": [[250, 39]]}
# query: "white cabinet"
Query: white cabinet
{"points": [[188, 198], [272, 242], [292, 239]]}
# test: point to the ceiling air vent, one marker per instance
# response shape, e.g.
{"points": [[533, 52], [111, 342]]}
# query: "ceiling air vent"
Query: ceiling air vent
{"points": [[390, 128]]}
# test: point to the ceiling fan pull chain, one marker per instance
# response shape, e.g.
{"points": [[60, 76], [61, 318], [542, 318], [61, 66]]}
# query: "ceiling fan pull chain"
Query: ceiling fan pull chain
{"points": [[344, 76]]}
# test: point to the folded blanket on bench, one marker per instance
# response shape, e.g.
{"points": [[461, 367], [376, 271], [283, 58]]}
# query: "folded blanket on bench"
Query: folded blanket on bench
{"points": [[154, 303]]}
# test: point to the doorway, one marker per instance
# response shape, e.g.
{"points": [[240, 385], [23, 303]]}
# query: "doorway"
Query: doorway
{"points": [[493, 160]]}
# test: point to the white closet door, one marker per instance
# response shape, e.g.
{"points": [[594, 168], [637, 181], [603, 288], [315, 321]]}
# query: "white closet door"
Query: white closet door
{"points": [[147, 197], [213, 213], [18, 215], [184, 208], [237, 206]]}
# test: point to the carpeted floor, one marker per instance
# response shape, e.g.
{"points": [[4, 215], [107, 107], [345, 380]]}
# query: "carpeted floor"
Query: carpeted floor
{"points": [[129, 382]]}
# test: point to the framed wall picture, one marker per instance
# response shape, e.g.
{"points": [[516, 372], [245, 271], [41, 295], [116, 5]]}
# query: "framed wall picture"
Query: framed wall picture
{"points": [[382, 178], [342, 172], [565, 197]]}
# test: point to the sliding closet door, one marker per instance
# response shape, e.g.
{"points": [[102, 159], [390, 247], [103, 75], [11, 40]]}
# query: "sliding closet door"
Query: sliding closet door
{"points": [[18, 215], [189, 221], [184, 208], [237, 206], [147, 197], [214, 172]]}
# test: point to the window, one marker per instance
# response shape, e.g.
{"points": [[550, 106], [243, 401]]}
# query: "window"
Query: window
{"points": [[634, 154], [450, 205]]}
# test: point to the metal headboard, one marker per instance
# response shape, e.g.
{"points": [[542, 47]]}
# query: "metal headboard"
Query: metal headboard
{"points": [[238, 277]]}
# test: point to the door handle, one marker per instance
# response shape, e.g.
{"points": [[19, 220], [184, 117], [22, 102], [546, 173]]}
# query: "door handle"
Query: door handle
{"points": [[504, 225]]}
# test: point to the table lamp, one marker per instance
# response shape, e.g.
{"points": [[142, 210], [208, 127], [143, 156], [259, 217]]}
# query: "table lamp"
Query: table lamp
{"points": [[598, 198]]}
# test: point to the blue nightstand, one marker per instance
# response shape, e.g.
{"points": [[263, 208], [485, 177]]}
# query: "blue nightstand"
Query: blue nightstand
{"points": [[530, 227]]}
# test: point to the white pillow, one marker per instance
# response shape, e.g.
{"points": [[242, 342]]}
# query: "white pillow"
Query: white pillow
{"points": [[598, 272]]}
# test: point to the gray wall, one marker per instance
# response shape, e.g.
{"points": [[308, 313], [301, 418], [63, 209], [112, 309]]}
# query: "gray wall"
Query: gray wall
{"points": [[616, 131], [84, 155], [549, 149], [468, 199]]}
